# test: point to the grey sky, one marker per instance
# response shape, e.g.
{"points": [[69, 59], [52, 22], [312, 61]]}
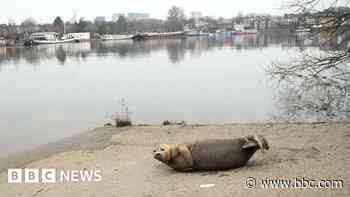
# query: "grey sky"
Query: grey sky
{"points": [[45, 11]]}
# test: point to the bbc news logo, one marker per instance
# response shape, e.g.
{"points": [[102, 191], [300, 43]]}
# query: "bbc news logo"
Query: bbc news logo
{"points": [[52, 175]]}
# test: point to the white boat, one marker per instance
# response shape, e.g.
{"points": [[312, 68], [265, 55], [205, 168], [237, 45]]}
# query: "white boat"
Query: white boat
{"points": [[81, 36], [170, 34], [196, 33], [220, 33], [116, 37], [305, 30], [191, 33], [57, 41], [50, 38], [202, 33]]}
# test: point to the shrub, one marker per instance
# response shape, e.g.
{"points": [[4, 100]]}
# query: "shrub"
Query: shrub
{"points": [[122, 118]]}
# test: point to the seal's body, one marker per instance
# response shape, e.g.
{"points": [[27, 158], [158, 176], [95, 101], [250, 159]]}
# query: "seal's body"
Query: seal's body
{"points": [[210, 154], [220, 154]]}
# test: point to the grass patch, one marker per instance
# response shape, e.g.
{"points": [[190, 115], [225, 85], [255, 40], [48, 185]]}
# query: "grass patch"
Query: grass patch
{"points": [[169, 123]]}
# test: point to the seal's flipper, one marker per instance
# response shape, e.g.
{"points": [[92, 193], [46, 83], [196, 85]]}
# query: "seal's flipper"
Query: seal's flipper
{"points": [[264, 142], [256, 140], [249, 144]]}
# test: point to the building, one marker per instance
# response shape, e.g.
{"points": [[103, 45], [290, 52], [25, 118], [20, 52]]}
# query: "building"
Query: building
{"points": [[202, 25], [196, 15], [310, 21], [290, 19], [83, 36], [116, 16], [138, 16], [225, 23], [100, 19]]}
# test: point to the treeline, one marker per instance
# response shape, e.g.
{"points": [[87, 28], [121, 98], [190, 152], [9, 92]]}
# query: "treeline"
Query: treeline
{"points": [[122, 25], [175, 22]]}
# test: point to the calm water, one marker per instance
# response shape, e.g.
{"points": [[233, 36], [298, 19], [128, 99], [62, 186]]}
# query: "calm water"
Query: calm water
{"points": [[50, 92]]}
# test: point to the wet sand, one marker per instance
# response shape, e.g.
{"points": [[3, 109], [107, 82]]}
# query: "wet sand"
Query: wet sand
{"points": [[317, 151]]}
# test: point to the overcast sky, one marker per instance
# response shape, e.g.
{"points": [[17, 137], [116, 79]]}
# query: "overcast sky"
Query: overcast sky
{"points": [[46, 10]]}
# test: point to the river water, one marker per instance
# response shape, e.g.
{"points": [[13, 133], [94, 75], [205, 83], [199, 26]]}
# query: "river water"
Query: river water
{"points": [[49, 92]]}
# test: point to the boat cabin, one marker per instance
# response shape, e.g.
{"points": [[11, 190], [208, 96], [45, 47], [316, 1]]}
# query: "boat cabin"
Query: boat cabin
{"points": [[44, 36]]}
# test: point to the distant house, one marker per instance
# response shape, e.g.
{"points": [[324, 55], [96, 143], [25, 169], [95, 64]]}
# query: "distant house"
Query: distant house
{"points": [[115, 17], [201, 24], [138, 16], [196, 15], [310, 21], [83, 36], [225, 24], [100, 19], [290, 20]]}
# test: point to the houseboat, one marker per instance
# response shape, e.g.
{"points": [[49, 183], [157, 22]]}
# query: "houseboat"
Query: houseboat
{"points": [[79, 37], [156, 35], [171, 34], [196, 33], [116, 37]]}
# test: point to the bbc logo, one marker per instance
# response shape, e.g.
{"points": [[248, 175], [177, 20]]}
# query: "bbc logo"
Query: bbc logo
{"points": [[52, 175], [31, 175]]}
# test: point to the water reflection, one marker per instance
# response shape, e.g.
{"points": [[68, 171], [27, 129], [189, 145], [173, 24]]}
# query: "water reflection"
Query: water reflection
{"points": [[199, 80], [316, 104], [295, 99], [313, 87], [176, 48]]}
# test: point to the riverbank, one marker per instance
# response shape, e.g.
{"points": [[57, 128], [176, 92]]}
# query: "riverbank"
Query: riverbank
{"points": [[317, 151]]}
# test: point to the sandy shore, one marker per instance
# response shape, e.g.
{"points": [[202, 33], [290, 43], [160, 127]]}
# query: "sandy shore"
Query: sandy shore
{"points": [[313, 151]]}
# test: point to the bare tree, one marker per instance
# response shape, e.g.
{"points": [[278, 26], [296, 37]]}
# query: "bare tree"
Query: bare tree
{"points": [[176, 19], [58, 24], [320, 81], [28, 25]]}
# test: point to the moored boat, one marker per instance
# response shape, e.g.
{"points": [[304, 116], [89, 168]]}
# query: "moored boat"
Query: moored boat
{"points": [[150, 35], [245, 32], [49, 38], [116, 37], [57, 41], [191, 33], [171, 34], [196, 33]]}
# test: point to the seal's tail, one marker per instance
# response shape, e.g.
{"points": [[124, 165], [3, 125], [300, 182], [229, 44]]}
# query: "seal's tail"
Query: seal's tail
{"points": [[258, 140]]}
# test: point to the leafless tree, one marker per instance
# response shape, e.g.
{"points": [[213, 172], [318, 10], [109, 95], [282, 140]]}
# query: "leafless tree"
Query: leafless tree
{"points": [[176, 19], [319, 81], [28, 25]]}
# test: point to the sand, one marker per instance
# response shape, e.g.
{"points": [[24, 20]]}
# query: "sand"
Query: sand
{"points": [[312, 151]]}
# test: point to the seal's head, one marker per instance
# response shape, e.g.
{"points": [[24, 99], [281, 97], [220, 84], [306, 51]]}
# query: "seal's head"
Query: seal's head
{"points": [[163, 153]]}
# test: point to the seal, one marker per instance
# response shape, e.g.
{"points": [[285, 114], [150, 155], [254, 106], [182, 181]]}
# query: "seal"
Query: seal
{"points": [[213, 154]]}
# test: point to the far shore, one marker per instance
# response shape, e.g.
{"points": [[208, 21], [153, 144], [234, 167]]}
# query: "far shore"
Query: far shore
{"points": [[314, 150]]}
